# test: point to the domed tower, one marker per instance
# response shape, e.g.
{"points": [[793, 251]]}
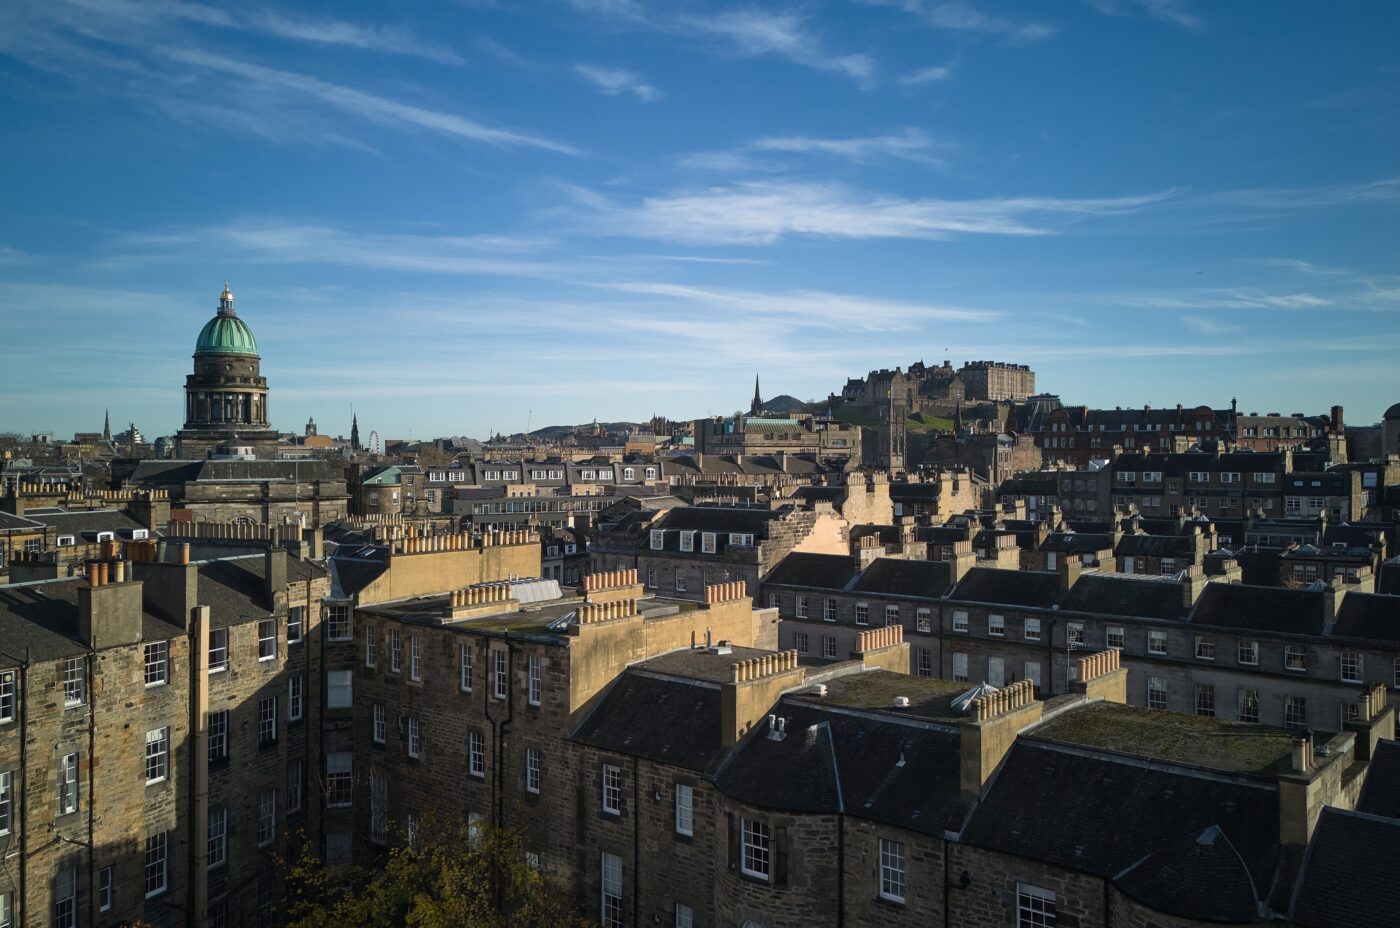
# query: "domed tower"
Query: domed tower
{"points": [[226, 396]]}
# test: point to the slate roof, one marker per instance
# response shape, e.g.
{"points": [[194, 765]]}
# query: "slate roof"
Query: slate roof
{"points": [[1207, 860], [350, 573], [10, 522], [831, 761], [1380, 794], [1350, 864], [1128, 595], [1008, 587], [718, 519], [1155, 546], [1372, 616], [88, 521], [1260, 608], [1076, 542], [1048, 803], [822, 571], [40, 620], [672, 722], [234, 588], [900, 577]]}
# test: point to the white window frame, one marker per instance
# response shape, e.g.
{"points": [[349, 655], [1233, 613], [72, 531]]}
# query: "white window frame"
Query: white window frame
{"points": [[296, 697], [476, 753], [157, 755], [296, 624], [74, 682], [658, 539], [415, 738], [338, 624], [1247, 653], [708, 542], [157, 857], [610, 891], [156, 660], [415, 658], [500, 682], [217, 840], [534, 680], [395, 650], [755, 849], [7, 801], [464, 667], [1035, 907], [960, 622], [378, 723], [340, 779], [267, 639], [68, 795], [267, 721], [370, 655], [1114, 637], [893, 862], [1355, 672], [218, 650], [1031, 629], [685, 809], [1156, 642], [267, 817], [534, 776], [9, 702], [996, 626], [612, 789]]}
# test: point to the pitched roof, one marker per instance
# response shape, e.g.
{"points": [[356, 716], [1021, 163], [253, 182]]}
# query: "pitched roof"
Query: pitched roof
{"points": [[1261, 608], [40, 620], [900, 577], [668, 721], [1155, 546], [1124, 594], [881, 769], [1373, 616], [1380, 794], [1220, 881], [1048, 801], [822, 571], [1352, 859], [1008, 587]]}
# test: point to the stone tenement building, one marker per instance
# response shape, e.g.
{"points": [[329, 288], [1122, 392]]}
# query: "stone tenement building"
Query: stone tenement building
{"points": [[645, 747], [254, 492], [160, 733], [940, 388], [798, 433], [1210, 646], [226, 395], [681, 550]]}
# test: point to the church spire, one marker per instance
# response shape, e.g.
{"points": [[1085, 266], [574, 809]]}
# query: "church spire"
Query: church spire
{"points": [[757, 407], [354, 432], [106, 425]]}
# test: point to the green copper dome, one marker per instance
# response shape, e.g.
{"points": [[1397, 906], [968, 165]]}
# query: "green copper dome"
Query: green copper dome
{"points": [[226, 333]]}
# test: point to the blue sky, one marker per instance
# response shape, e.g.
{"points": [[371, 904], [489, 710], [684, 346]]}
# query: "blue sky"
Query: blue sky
{"points": [[460, 215]]}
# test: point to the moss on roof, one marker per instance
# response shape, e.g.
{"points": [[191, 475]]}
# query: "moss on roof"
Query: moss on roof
{"points": [[1174, 737], [876, 689]]}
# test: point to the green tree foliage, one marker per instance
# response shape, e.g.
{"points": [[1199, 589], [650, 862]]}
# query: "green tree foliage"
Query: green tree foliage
{"points": [[453, 876]]}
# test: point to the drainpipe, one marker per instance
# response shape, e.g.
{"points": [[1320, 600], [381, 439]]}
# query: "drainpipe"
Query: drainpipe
{"points": [[841, 870], [199, 765], [636, 843], [92, 783], [23, 690]]}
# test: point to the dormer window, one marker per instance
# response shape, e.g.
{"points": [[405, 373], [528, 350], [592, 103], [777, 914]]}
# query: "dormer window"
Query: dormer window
{"points": [[66, 541]]}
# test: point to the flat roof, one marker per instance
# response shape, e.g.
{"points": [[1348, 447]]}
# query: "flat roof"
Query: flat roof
{"points": [[1174, 737]]}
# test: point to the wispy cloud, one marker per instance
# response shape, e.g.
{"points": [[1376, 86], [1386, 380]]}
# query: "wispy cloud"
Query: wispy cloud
{"points": [[748, 33], [613, 81], [140, 52], [1178, 12], [1208, 326], [786, 35], [909, 145], [1219, 298], [372, 107], [350, 35], [763, 213], [929, 75], [963, 17], [814, 308]]}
